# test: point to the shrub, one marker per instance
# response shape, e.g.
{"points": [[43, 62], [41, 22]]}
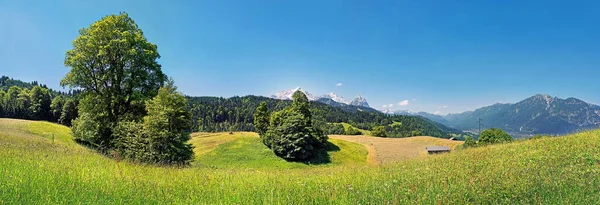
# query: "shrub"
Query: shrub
{"points": [[493, 136], [162, 136], [538, 136], [469, 142], [379, 131], [352, 131]]}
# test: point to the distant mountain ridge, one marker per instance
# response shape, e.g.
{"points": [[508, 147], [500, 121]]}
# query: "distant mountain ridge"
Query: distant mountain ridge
{"points": [[330, 98], [539, 114]]}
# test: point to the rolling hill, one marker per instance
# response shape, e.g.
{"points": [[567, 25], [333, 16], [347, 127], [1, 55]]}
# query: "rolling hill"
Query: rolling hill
{"points": [[543, 171]]}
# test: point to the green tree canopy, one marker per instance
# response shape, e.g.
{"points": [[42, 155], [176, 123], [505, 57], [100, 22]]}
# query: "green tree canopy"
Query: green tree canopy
{"points": [[493, 136], [56, 107], [469, 142], [352, 131], [291, 135], [261, 118], [379, 131], [115, 67], [39, 107], [167, 127], [68, 112]]}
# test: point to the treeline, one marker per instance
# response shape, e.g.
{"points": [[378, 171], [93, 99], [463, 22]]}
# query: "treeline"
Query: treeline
{"points": [[32, 101], [7, 82], [214, 114]]}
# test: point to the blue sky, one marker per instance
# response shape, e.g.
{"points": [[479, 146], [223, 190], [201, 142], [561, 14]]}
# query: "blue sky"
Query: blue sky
{"points": [[435, 56]]}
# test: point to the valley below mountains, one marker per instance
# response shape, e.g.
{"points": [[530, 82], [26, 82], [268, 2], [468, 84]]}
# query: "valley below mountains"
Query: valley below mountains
{"points": [[539, 114]]}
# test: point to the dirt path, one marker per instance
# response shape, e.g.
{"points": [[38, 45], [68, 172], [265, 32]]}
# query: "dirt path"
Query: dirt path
{"points": [[387, 150]]}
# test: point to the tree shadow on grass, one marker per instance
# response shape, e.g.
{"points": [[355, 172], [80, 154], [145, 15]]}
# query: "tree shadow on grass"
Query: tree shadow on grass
{"points": [[322, 155]]}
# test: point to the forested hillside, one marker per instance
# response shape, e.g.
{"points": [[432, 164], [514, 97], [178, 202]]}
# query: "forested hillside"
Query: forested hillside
{"points": [[214, 114], [34, 101]]}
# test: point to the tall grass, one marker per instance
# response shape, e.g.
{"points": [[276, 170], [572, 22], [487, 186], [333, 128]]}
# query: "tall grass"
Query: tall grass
{"points": [[548, 171]]}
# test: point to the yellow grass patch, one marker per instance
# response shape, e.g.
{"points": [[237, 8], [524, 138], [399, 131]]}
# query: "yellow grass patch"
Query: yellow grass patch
{"points": [[205, 142], [388, 150]]}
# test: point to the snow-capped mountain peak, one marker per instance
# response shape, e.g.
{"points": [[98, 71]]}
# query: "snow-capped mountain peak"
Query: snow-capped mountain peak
{"points": [[335, 98], [287, 94], [360, 101]]}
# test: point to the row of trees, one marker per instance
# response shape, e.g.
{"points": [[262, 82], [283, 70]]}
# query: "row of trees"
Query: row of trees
{"points": [[37, 103], [214, 114]]}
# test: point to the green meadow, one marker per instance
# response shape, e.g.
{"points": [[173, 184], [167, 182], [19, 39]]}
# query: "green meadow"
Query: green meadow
{"points": [[238, 169]]}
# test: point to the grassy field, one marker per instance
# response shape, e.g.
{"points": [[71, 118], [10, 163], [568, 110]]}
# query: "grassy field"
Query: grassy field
{"points": [[33, 170], [346, 126], [390, 150], [246, 151]]}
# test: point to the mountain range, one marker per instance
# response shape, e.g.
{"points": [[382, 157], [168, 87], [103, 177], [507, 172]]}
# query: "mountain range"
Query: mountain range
{"points": [[539, 114], [331, 99]]}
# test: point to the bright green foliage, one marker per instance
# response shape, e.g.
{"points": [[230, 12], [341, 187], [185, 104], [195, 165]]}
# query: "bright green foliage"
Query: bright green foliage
{"points": [[88, 129], [352, 131], [493, 136], [116, 69], [291, 134], [163, 135], [23, 103], [301, 105], [68, 112], [469, 142], [39, 107], [56, 108], [2, 109], [167, 127], [261, 118], [30, 101], [330, 128], [379, 131]]}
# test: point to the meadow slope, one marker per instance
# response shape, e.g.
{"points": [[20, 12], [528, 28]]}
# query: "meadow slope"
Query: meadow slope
{"points": [[390, 150], [33, 170]]}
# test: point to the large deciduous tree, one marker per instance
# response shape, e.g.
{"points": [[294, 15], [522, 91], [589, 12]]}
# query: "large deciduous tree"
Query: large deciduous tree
{"points": [[115, 67], [291, 134]]}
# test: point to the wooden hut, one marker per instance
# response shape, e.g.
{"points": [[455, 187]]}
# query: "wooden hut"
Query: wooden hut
{"points": [[437, 149]]}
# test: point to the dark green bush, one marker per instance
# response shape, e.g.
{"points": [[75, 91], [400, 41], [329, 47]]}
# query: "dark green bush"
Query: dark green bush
{"points": [[493, 136]]}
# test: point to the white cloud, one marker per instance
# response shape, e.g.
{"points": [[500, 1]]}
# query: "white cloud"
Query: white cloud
{"points": [[339, 85], [443, 106], [384, 106], [391, 105], [437, 112], [403, 103]]}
